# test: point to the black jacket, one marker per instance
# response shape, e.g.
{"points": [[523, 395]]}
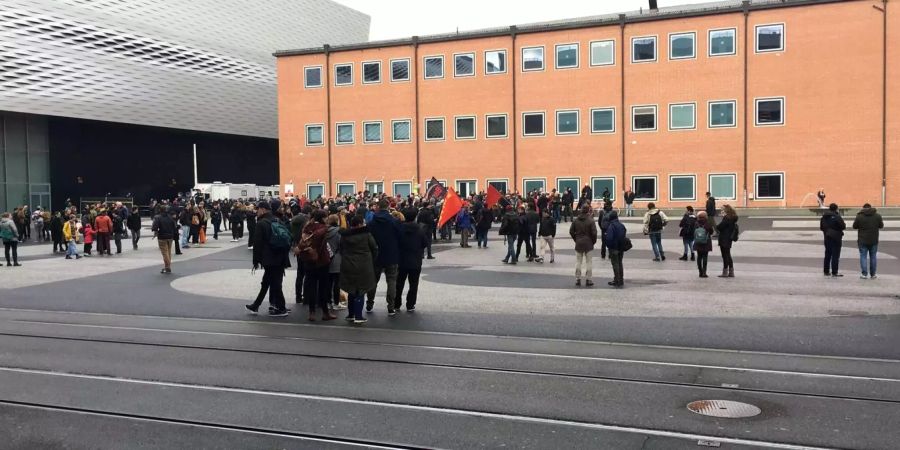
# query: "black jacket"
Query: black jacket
{"points": [[711, 206], [426, 217], [412, 246], [386, 231], [548, 227], [726, 231], [484, 219], [509, 226], [263, 253], [533, 219], [164, 227], [134, 221], [832, 225]]}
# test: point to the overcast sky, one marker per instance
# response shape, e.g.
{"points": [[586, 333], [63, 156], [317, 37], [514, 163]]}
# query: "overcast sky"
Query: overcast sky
{"points": [[404, 18]]}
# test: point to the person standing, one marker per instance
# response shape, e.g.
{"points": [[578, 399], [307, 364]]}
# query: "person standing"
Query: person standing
{"points": [[185, 220], [711, 211], [687, 225], [412, 246], [134, 224], [615, 241], [56, 226], [547, 233], [629, 196], [832, 226], [532, 219], [868, 223], [484, 220], [523, 235], [236, 219], [584, 232], [334, 269], [70, 233], [568, 198], [118, 230], [273, 259], [386, 231], [316, 277], [9, 234], [509, 227], [654, 222], [702, 241], [728, 233], [104, 226], [165, 230], [358, 254], [464, 225], [298, 222], [604, 225], [426, 218], [216, 219]]}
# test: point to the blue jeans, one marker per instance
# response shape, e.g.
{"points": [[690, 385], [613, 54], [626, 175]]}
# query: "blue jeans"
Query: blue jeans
{"points": [[688, 244], [72, 249], [656, 243], [629, 210], [481, 237], [511, 248], [556, 215], [185, 234], [871, 252]]}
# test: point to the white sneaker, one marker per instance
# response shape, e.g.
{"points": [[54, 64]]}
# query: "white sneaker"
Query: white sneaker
{"points": [[863, 277], [234, 240], [249, 248]]}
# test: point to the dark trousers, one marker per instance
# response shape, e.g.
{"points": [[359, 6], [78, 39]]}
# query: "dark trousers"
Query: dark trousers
{"points": [[603, 244], [615, 258], [702, 261], [103, 243], [177, 244], [482, 237], [298, 283], [271, 283], [251, 228], [58, 243], [135, 237], [727, 262], [317, 288], [532, 239], [832, 255], [413, 276], [195, 234], [216, 230], [334, 279], [87, 248], [429, 238], [118, 239], [11, 246], [529, 250], [235, 233], [356, 300]]}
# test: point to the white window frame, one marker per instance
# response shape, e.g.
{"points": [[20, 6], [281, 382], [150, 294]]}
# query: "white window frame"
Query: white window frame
{"points": [[306, 84], [558, 179], [443, 129], [577, 55], [474, 64], [321, 185], [466, 180], [709, 39], [693, 35], [543, 58], [487, 129], [655, 49], [756, 176], [597, 195], [756, 112], [505, 62], [488, 182], [408, 70], [543, 115], [394, 185], [591, 52], [674, 128], [655, 118], [362, 71], [577, 122], [733, 176], [337, 187], [783, 37], [394, 138], [526, 180], [604, 108], [693, 178], [337, 133], [655, 183], [365, 137], [366, 184], [321, 126], [474, 119], [425, 67], [336, 66], [709, 106]]}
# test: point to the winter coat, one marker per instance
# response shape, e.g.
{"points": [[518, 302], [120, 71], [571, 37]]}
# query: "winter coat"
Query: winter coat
{"points": [[134, 222], [509, 225], [103, 224], [412, 246], [386, 231], [647, 215], [584, 233], [358, 254], [532, 219], [711, 206], [89, 234], [70, 231], [615, 234], [603, 220], [484, 219], [426, 218], [8, 230], [464, 219], [333, 237], [263, 253], [164, 227], [707, 247], [297, 223], [868, 222], [726, 231], [687, 225], [548, 227], [832, 225], [523, 226]]}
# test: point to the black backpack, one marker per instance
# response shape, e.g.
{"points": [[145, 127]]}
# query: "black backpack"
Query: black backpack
{"points": [[656, 222]]}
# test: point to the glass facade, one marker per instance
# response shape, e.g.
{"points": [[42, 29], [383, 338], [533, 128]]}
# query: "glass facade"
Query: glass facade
{"points": [[24, 161]]}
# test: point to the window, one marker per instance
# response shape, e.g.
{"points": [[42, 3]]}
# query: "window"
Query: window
{"points": [[533, 124], [499, 185], [314, 135], [682, 45], [400, 70], [534, 184], [603, 120], [769, 111], [464, 65], [494, 61], [568, 183], [643, 118], [770, 38], [496, 126], [312, 77], [600, 184], [643, 49], [603, 53], [371, 132], [721, 42], [769, 186], [721, 114], [375, 187], [400, 130], [466, 188], [314, 191], [465, 127], [371, 72], [682, 187], [567, 122], [532, 58], [434, 129], [566, 56], [644, 188], [402, 189], [344, 133], [434, 67], [346, 188], [681, 116], [722, 186], [343, 74]]}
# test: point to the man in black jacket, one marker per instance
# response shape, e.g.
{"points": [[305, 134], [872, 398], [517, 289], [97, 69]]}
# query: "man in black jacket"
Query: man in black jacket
{"points": [[165, 230], [273, 261], [427, 219], [412, 244], [832, 226], [711, 211], [509, 227], [533, 219]]}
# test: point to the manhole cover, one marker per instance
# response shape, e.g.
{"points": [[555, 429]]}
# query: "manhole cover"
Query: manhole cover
{"points": [[723, 408]]}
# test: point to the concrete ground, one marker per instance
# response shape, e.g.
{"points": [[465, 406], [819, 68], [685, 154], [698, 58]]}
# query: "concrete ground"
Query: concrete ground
{"points": [[109, 353]]}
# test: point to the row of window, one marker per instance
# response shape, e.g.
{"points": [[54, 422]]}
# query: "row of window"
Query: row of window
{"points": [[683, 45], [682, 116]]}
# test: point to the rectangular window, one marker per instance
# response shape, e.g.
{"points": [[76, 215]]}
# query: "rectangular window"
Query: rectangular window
{"points": [[499, 185], [314, 135], [769, 186], [496, 126], [568, 183], [371, 132], [769, 111], [346, 188], [344, 133], [770, 38], [682, 187], [494, 61], [532, 58], [643, 118], [682, 45], [722, 186], [603, 53], [402, 189], [643, 49], [400, 70], [681, 116], [465, 127], [721, 42], [314, 191], [343, 74], [534, 185], [603, 120], [644, 188], [434, 67], [721, 114], [371, 72], [312, 77], [400, 130], [533, 124], [375, 187], [601, 184], [567, 122], [566, 56], [434, 129], [466, 188], [464, 65]]}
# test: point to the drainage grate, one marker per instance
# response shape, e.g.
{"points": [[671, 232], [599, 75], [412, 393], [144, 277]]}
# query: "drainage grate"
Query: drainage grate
{"points": [[723, 408]]}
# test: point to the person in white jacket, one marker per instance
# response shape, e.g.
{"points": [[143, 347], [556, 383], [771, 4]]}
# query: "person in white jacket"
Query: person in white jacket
{"points": [[654, 222]]}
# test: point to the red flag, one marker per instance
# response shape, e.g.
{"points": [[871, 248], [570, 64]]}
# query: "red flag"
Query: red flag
{"points": [[493, 196], [452, 205]]}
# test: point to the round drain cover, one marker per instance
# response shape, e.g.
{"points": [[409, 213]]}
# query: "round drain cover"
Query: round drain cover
{"points": [[723, 408]]}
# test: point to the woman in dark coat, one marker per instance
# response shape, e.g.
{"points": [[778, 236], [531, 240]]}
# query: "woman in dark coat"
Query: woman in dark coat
{"points": [[704, 248], [727, 229], [358, 253]]}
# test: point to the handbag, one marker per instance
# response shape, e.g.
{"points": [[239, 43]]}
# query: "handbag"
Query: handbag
{"points": [[626, 244]]}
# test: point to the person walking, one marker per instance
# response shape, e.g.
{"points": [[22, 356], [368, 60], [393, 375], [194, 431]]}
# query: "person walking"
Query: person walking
{"points": [[702, 241], [386, 231], [272, 255], [832, 226], [868, 224], [89, 236], [236, 219], [165, 231], [70, 234], [523, 235], [547, 233], [615, 238], [584, 232], [687, 225], [728, 234], [654, 222], [412, 246], [134, 224], [9, 234], [509, 227], [568, 198], [104, 226], [358, 254], [629, 196], [252, 221]]}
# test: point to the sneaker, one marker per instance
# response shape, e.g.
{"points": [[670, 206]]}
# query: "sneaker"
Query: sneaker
{"points": [[253, 310], [234, 240], [827, 274], [369, 307], [611, 283], [692, 257], [392, 313], [577, 282], [349, 318], [278, 313], [656, 259], [430, 257], [360, 321], [873, 277], [168, 270], [340, 307], [863, 277], [836, 275], [683, 258], [250, 248], [588, 283], [410, 309], [663, 257]]}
